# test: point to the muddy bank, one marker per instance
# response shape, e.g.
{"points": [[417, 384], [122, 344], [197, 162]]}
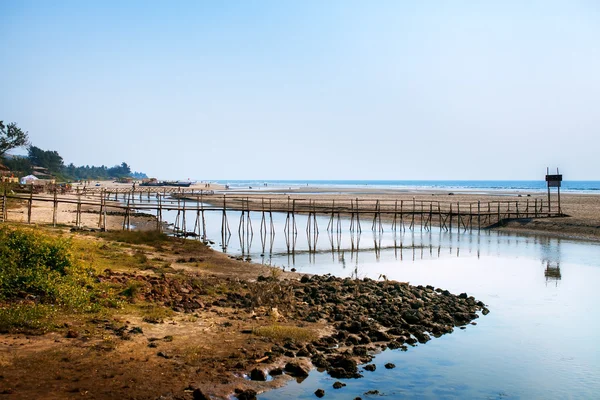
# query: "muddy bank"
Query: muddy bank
{"points": [[362, 317]]}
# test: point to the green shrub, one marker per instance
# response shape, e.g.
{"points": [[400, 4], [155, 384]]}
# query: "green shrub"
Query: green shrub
{"points": [[41, 268]]}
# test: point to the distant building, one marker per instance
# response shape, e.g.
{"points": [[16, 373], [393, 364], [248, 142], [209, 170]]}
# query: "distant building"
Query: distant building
{"points": [[6, 176], [42, 173]]}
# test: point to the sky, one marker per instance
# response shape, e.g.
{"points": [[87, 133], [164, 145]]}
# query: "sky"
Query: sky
{"points": [[328, 89]]}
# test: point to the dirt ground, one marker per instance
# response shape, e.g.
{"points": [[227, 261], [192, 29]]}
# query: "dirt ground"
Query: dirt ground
{"points": [[124, 356]]}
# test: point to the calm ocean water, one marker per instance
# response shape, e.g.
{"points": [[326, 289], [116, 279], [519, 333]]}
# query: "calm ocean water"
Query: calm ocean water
{"points": [[539, 185]]}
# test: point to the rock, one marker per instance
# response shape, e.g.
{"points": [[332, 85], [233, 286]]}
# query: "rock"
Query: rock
{"points": [[342, 367], [305, 278], [360, 351], [319, 361], [338, 385], [163, 354], [71, 334], [411, 317], [197, 394], [422, 337], [390, 366], [258, 375], [247, 394], [303, 352], [319, 393], [276, 372], [295, 369], [379, 336], [370, 367]]}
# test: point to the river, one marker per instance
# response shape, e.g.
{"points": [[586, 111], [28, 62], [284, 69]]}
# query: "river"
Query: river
{"points": [[538, 342]]}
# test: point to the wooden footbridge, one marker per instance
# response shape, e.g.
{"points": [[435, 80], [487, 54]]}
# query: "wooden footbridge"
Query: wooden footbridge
{"points": [[361, 213]]}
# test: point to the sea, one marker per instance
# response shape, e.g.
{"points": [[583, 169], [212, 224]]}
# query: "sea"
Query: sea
{"points": [[409, 185]]}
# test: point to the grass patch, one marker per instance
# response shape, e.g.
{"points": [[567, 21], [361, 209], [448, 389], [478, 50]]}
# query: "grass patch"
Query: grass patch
{"points": [[132, 290], [150, 238], [26, 318], [282, 333], [154, 314]]}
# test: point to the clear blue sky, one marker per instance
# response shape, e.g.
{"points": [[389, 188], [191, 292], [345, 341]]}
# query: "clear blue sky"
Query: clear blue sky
{"points": [[308, 89]]}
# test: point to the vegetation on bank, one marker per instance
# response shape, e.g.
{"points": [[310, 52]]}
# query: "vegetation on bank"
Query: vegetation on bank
{"points": [[46, 277], [54, 164], [12, 137]]}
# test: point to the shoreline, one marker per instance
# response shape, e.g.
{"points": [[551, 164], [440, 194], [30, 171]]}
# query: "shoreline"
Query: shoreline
{"points": [[221, 372], [227, 326]]}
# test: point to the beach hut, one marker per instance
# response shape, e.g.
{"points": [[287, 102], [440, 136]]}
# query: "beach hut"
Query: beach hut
{"points": [[29, 179]]}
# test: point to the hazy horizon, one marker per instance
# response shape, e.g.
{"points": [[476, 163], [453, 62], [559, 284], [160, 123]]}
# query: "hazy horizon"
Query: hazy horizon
{"points": [[337, 90]]}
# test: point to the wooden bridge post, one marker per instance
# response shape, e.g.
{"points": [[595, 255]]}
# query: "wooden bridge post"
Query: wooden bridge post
{"points": [[4, 206], [412, 221], [159, 213], [402, 215], [272, 226], [478, 215], [499, 212], [394, 222], [351, 215], [30, 206], [471, 217], [430, 214], [358, 216], [421, 216], [183, 223], [101, 208], [330, 225], [224, 224], [54, 208]]}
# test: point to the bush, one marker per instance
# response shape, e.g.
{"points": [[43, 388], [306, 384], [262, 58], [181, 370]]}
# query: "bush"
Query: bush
{"points": [[41, 268]]}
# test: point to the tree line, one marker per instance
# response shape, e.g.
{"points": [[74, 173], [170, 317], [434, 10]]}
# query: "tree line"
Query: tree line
{"points": [[11, 137]]}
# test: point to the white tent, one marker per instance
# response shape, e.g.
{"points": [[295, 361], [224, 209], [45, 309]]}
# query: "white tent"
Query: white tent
{"points": [[28, 179]]}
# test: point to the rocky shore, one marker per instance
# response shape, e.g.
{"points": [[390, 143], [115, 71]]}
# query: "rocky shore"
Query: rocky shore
{"points": [[364, 316]]}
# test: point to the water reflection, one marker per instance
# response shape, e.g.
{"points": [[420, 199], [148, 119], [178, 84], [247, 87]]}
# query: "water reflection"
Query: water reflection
{"points": [[535, 343], [283, 244]]}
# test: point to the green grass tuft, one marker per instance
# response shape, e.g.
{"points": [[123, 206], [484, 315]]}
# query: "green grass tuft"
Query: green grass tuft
{"points": [[281, 333]]}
